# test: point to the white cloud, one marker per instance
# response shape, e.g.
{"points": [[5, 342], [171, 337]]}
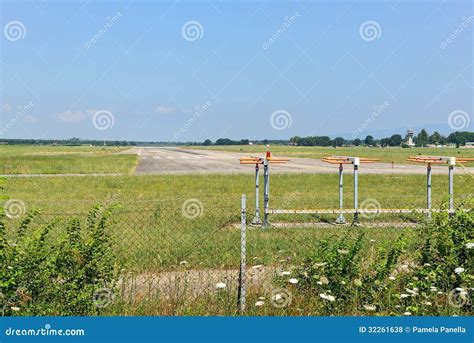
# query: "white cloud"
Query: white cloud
{"points": [[74, 116], [29, 119], [5, 108], [164, 109]]}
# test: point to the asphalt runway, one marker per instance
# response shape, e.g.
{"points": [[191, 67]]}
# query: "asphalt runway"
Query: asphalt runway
{"points": [[171, 160]]}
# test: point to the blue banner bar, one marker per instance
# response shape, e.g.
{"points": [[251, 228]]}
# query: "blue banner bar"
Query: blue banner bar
{"points": [[237, 329]]}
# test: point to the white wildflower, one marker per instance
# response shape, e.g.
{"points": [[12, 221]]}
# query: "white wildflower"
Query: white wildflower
{"points": [[428, 303], [285, 273], [470, 245], [220, 285], [407, 313], [259, 303], [277, 297], [14, 308], [370, 307], [392, 277], [327, 297], [182, 263], [320, 264], [403, 296], [342, 251], [459, 270], [293, 281]]}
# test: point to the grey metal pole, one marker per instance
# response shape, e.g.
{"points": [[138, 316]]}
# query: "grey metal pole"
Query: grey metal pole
{"points": [[428, 189], [356, 191], [451, 197], [256, 218], [340, 219], [266, 191], [243, 258]]}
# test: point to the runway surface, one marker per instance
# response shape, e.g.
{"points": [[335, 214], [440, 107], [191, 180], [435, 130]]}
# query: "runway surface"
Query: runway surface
{"points": [[174, 160]]}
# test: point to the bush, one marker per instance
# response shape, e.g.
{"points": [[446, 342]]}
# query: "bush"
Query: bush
{"points": [[43, 275], [427, 272]]}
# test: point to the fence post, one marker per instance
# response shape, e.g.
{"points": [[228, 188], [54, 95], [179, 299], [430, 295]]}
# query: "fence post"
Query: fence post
{"points": [[242, 293], [428, 189], [256, 218], [356, 190], [340, 219], [451, 197], [266, 191]]}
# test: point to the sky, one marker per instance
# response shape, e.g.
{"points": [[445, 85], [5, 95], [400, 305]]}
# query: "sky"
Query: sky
{"points": [[193, 70]]}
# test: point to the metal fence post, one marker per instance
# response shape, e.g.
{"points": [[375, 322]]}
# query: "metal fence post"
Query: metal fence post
{"points": [[428, 189], [242, 293], [356, 190], [340, 219], [256, 218], [451, 197], [266, 191]]}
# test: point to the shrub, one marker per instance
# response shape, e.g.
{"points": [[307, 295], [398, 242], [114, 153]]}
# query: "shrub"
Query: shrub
{"points": [[434, 277], [46, 274]]}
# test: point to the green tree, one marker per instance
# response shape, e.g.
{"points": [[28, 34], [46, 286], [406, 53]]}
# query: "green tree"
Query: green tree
{"points": [[422, 138], [369, 140]]}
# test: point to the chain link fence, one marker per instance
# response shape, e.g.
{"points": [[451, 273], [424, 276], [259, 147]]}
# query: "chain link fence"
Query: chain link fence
{"points": [[203, 256]]}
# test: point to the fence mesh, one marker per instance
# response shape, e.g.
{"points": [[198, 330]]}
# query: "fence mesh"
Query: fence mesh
{"points": [[189, 256]]}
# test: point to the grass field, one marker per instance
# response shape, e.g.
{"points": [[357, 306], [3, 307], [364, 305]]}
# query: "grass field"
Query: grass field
{"points": [[388, 155], [155, 234], [64, 160], [151, 213]]}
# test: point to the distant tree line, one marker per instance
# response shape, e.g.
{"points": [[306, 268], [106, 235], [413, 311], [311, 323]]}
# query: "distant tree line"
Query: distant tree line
{"points": [[457, 138]]}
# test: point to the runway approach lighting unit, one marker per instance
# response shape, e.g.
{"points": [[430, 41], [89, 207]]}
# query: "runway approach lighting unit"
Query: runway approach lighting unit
{"points": [[265, 161], [356, 161], [429, 161]]}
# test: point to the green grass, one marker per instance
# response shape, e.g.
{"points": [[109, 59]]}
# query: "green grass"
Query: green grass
{"points": [[64, 160], [153, 234], [388, 155]]}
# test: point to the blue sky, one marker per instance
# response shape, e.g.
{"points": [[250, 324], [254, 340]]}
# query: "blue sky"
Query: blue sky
{"points": [[243, 69]]}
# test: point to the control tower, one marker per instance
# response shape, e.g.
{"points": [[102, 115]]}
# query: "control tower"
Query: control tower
{"points": [[410, 134]]}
